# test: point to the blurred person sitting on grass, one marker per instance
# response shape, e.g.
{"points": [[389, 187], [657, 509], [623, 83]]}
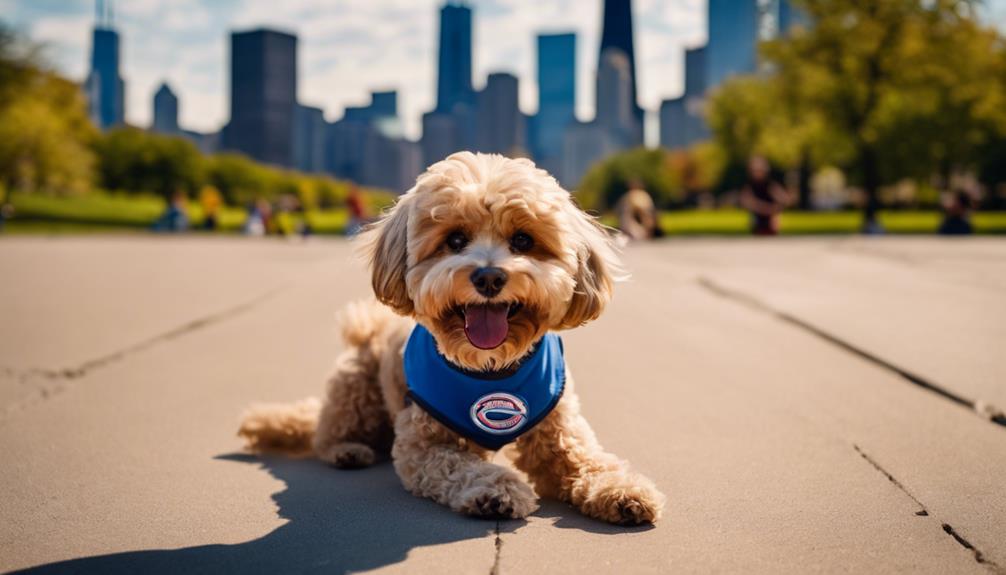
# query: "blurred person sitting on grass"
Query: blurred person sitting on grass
{"points": [[209, 199], [637, 216], [175, 217], [259, 220], [357, 211], [957, 208], [764, 197], [287, 223], [6, 213]]}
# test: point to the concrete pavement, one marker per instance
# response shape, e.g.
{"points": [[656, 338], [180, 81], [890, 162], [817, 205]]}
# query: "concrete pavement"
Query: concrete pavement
{"points": [[762, 384]]}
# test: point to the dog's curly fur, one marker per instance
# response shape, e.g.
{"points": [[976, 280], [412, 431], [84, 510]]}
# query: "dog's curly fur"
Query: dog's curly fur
{"points": [[564, 281]]}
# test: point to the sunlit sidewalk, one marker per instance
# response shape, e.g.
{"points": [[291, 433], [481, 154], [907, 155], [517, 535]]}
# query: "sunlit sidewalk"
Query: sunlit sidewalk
{"points": [[807, 405]]}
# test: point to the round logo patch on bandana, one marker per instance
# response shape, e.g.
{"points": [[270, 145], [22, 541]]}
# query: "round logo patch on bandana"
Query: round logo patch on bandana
{"points": [[499, 413]]}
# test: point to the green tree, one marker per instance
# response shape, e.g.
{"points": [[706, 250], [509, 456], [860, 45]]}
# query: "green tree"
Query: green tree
{"points": [[955, 102], [606, 181], [132, 160], [239, 179], [44, 129], [886, 89]]}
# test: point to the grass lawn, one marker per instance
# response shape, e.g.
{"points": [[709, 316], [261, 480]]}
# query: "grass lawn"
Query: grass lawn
{"points": [[109, 212], [328, 221], [35, 213], [102, 210], [737, 222]]}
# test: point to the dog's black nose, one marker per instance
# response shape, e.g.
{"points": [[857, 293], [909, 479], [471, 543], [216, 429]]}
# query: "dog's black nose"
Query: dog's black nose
{"points": [[488, 281]]}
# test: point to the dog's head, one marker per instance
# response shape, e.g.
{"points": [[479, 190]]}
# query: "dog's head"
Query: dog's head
{"points": [[490, 253]]}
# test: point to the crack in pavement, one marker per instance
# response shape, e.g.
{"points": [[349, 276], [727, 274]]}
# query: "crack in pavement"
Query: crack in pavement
{"points": [[495, 570], [924, 512], [982, 408], [55, 381], [977, 406], [979, 556], [842, 246]]}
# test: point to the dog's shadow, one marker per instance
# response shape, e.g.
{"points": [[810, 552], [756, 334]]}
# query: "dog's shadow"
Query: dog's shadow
{"points": [[338, 522]]}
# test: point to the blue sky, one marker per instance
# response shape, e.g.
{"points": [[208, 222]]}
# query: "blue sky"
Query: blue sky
{"points": [[349, 47]]}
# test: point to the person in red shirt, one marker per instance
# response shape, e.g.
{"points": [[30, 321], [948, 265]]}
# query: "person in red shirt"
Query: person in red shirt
{"points": [[357, 212]]}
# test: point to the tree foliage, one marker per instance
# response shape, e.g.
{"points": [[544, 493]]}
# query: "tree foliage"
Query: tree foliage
{"points": [[669, 177], [44, 129], [885, 89], [606, 181], [134, 160], [48, 144]]}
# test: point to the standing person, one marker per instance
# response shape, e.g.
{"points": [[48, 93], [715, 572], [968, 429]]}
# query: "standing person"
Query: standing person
{"points": [[6, 213], [764, 198], [357, 213]]}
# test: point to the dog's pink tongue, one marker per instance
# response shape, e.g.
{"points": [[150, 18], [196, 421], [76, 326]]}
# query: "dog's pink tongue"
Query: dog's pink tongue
{"points": [[486, 325]]}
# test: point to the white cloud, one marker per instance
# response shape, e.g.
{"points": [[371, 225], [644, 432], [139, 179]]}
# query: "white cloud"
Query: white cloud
{"points": [[66, 40]]}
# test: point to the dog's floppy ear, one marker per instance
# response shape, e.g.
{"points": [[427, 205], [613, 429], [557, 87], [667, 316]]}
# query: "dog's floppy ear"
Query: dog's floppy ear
{"points": [[598, 268], [385, 246]]}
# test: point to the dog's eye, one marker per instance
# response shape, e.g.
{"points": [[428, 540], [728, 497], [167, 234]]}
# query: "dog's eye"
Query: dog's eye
{"points": [[456, 241], [521, 242]]}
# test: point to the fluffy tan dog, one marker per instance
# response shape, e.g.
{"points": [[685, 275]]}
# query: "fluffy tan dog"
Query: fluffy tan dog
{"points": [[488, 254]]}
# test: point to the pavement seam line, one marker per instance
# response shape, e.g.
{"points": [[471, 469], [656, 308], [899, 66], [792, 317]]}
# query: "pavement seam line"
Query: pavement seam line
{"points": [[924, 512], [979, 556], [498, 542], [982, 408], [175, 333], [60, 377]]}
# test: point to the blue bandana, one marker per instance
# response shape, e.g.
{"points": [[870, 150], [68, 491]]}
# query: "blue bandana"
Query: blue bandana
{"points": [[486, 408]]}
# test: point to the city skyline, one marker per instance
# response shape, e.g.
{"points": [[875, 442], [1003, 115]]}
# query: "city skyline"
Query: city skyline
{"points": [[504, 40], [200, 80], [191, 55]]}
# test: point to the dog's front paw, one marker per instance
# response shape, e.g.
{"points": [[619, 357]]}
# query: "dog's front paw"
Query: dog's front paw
{"points": [[622, 498], [506, 497], [347, 455]]}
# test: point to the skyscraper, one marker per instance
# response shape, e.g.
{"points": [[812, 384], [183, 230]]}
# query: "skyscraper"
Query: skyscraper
{"points": [[584, 144], [442, 134], [614, 128], [556, 97], [501, 125], [451, 125], [390, 161], [384, 103], [106, 91], [673, 124], [165, 111], [367, 146], [617, 33], [695, 71], [619, 120], [733, 39], [787, 16], [454, 62], [309, 139], [695, 96], [615, 113], [263, 95], [681, 120]]}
